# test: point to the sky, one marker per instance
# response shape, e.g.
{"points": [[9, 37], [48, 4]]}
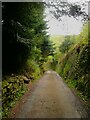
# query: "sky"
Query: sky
{"points": [[68, 25]]}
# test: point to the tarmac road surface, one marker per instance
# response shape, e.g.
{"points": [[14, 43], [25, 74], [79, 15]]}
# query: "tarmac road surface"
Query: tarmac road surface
{"points": [[51, 98]]}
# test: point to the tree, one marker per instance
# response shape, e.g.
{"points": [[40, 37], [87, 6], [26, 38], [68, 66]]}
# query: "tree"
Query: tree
{"points": [[47, 48], [65, 8], [23, 33], [66, 44]]}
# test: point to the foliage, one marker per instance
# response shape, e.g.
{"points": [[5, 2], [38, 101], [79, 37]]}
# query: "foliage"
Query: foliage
{"points": [[77, 72], [66, 44], [26, 46], [73, 61], [47, 48], [66, 8], [24, 35], [31, 70], [56, 40], [12, 89]]}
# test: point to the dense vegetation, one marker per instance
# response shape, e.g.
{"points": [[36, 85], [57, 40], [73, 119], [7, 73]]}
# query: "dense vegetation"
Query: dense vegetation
{"points": [[73, 61], [25, 48], [23, 34]]}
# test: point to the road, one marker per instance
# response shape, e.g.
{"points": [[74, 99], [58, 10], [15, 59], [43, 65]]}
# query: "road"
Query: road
{"points": [[51, 98]]}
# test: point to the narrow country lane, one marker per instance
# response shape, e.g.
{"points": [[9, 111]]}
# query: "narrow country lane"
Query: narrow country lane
{"points": [[51, 98]]}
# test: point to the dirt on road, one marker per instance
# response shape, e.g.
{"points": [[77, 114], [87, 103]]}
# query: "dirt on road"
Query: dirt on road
{"points": [[51, 98]]}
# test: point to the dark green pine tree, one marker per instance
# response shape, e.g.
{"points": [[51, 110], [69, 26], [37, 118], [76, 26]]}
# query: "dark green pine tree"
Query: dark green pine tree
{"points": [[24, 34]]}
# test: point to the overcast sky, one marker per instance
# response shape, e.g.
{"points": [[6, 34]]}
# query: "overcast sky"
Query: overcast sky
{"points": [[68, 26]]}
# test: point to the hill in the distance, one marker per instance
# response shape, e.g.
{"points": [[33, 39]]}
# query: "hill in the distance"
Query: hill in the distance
{"points": [[57, 40]]}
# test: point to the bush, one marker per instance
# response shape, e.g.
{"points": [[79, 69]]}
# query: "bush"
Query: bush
{"points": [[75, 68], [12, 88], [31, 70]]}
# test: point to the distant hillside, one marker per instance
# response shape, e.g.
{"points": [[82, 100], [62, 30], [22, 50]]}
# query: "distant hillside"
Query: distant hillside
{"points": [[57, 40]]}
